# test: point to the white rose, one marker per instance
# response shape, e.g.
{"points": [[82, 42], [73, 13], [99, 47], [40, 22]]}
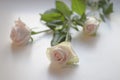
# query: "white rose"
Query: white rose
{"points": [[62, 54], [91, 25], [20, 33]]}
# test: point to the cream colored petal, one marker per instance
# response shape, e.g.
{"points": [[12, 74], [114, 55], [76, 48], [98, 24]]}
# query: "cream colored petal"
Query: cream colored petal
{"points": [[70, 49]]}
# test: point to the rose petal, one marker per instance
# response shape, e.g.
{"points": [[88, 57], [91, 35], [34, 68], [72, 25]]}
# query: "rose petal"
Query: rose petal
{"points": [[20, 33], [65, 51]]}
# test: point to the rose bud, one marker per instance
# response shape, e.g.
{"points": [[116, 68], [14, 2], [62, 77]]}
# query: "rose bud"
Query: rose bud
{"points": [[20, 33], [91, 25]]}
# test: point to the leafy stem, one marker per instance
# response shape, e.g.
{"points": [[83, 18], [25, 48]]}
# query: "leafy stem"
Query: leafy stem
{"points": [[62, 18], [68, 25], [34, 33], [67, 36]]}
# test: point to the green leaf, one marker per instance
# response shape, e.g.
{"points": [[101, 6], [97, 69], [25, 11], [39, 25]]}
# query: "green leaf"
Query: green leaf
{"points": [[102, 17], [54, 25], [75, 27], [108, 9], [106, 6], [83, 17], [81, 20], [58, 22], [31, 39], [79, 6], [59, 37], [101, 3], [63, 8], [52, 15], [33, 32]]}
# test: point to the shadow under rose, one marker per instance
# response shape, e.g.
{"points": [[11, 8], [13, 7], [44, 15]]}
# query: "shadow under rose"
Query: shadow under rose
{"points": [[21, 52], [15, 48], [14, 54], [86, 41], [60, 71]]}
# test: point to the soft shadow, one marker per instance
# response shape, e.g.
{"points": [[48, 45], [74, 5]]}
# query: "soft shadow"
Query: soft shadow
{"points": [[86, 41], [11, 53], [15, 48], [62, 71], [21, 52]]}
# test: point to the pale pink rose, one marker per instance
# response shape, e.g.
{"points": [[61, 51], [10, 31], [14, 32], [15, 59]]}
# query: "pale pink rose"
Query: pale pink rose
{"points": [[20, 33], [91, 25], [62, 54]]}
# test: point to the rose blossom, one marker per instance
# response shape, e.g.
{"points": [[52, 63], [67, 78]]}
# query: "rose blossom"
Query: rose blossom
{"points": [[62, 54], [20, 34], [91, 25]]}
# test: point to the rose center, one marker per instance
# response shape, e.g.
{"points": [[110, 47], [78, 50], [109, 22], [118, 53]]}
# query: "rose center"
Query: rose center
{"points": [[58, 56], [90, 27]]}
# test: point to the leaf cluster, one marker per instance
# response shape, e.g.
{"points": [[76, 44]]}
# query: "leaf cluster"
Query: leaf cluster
{"points": [[60, 20]]}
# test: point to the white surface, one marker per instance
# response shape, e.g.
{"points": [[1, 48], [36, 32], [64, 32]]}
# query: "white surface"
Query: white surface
{"points": [[99, 56]]}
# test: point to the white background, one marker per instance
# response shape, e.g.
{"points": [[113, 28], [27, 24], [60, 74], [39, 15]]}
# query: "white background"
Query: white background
{"points": [[99, 56]]}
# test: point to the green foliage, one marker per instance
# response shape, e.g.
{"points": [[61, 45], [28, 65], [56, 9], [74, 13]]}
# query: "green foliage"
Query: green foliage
{"points": [[63, 8], [52, 15], [79, 6], [62, 18], [59, 36], [104, 7]]}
